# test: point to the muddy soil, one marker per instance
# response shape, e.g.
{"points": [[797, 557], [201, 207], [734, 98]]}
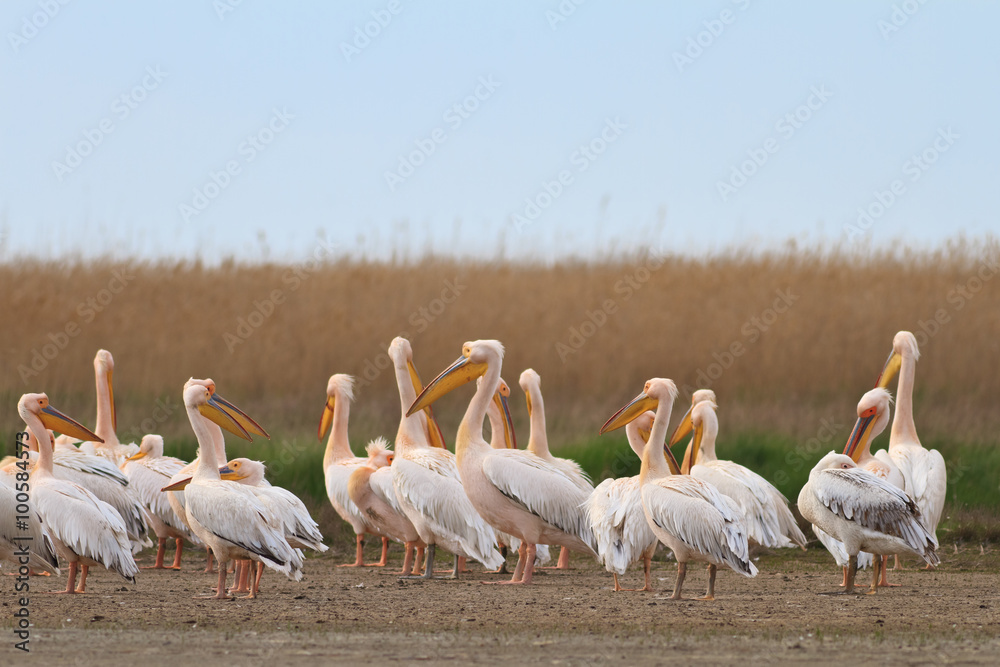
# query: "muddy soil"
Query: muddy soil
{"points": [[368, 616]]}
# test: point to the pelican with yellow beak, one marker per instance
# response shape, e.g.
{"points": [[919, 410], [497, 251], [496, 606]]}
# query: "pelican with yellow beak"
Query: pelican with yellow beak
{"points": [[515, 491], [84, 529], [765, 511], [925, 476], [688, 515]]}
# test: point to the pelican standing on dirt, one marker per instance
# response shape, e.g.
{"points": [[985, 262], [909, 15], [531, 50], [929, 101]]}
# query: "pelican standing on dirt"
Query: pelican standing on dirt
{"points": [[225, 515], [515, 491], [864, 512], [616, 516], [925, 477], [538, 443], [339, 462], [689, 516], [765, 511], [84, 529]]}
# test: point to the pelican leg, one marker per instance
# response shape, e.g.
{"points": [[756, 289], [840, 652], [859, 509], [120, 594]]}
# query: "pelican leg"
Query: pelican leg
{"points": [[256, 579], [359, 553], [177, 555], [710, 592], [161, 547], [519, 569], [503, 566], [70, 580], [418, 561], [408, 559], [209, 569], [529, 565], [459, 562], [385, 553], [895, 563], [460, 565], [646, 562], [679, 582], [852, 571], [884, 581], [84, 570], [220, 587], [428, 565], [241, 583], [843, 579], [617, 585], [562, 563], [876, 572]]}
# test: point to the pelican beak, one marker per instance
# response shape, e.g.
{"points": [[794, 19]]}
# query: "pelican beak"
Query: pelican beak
{"points": [[214, 411], [135, 457], [240, 417], [461, 372], [683, 428], [57, 421], [508, 423], [527, 399], [227, 473], [860, 435], [111, 395], [434, 434], [327, 418], [179, 485], [644, 434], [892, 365], [691, 453], [639, 405]]}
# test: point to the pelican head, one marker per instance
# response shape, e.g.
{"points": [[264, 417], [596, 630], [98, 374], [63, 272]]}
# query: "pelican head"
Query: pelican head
{"points": [[684, 426], [873, 415], [401, 352], [904, 344], [36, 406], [105, 363], [530, 379], [833, 461], [656, 390], [245, 471], [151, 445], [379, 454], [699, 418], [474, 362], [221, 411], [501, 399], [340, 387]]}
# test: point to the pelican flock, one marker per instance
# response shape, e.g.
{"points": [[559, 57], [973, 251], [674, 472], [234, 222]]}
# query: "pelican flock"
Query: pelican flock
{"points": [[95, 500]]}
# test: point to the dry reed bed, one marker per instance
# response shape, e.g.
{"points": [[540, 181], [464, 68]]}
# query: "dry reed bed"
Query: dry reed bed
{"points": [[660, 316]]}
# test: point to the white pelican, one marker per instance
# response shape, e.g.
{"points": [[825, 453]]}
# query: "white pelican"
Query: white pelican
{"points": [[925, 477], [225, 515], [513, 490], [689, 516], [370, 488], [765, 512], [864, 512], [538, 443], [84, 529], [28, 545], [148, 471], [616, 516], [107, 418], [301, 531], [339, 462]]}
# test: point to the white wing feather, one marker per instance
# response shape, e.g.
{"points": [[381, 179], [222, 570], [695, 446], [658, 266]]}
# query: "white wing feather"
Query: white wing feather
{"points": [[619, 525]]}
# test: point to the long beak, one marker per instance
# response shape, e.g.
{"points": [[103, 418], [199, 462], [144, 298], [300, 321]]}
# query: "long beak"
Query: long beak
{"points": [[57, 421], [179, 485], [220, 416], [508, 423], [691, 453], [111, 395], [461, 372], [639, 405], [434, 434], [527, 399], [860, 435], [327, 418], [240, 417], [135, 457], [227, 473], [892, 366], [683, 428]]}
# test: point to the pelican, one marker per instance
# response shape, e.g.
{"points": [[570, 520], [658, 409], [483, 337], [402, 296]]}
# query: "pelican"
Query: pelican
{"points": [[765, 511], [339, 462], [538, 443], [107, 418], [688, 515], [301, 531], [370, 488], [616, 516], [515, 491], [148, 471], [864, 512], [84, 529], [27, 545], [925, 477], [225, 515]]}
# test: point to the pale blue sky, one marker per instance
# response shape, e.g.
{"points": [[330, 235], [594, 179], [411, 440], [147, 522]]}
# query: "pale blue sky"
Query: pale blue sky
{"points": [[678, 130]]}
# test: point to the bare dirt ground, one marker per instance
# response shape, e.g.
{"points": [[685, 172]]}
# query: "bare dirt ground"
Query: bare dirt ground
{"points": [[367, 616]]}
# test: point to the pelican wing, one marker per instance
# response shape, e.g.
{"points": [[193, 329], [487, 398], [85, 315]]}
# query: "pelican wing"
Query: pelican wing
{"points": [[145, 482], [698, 515], [621, 531], [540, 488], [337, 476], [87, 464], [31, 534], [380, 482], [928, 480], [300, 529]]}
